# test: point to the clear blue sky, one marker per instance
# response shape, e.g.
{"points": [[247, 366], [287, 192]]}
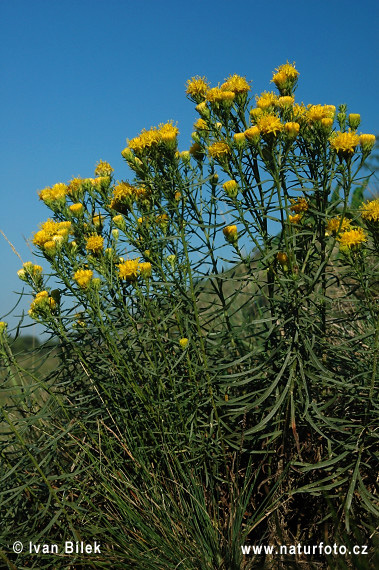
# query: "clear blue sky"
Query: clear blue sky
{"points": [[79, 77]]}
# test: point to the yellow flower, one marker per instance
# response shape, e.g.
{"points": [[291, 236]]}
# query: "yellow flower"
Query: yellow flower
{"points": [[103, 169], [94, 244], [217, 95], [128, 270], [178, 196], [370, 211], [286, 101], [202, 108], [255, 114], [367, 142], [344, 143], [168, 133], [327, 124], [292, 129], [183, 342], [50, 247], [75, 188], [335, 223], [219, 150], [83, 277], [299, 205], [316, 113], [231, 188], [239, 140], [236, 84], [299, 112], [266, 100], [282, 258], [56, 194], [144, 141], [42, 304], [123, 197], [296, 219], [285, 78], [197, 88], [162, 220], [196, 151], [352, 238], [98, 220], [3, 327], [76, 209], [201, 125], [119, 221], [269, 124], [145, 269], [230, 234], [253, 134]]}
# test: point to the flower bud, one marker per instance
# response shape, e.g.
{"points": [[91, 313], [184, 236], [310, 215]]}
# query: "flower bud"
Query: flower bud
{"points": [[354, 121], [115, 234], [119, 222], [367, 143], [239, 140], [231, 188], [291, 130], [253, 135], [231, 234], [202, 109], [22, 275], [183, 343], [3, 327], [171, 259]]}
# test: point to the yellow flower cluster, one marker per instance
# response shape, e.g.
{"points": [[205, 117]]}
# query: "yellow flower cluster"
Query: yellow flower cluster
{"points": [[42, 305], [197, 88], [166, 133], [130, 269], [3, 327], [335, 224], [30, 271], [236, 84], [217, 95], [51, 235], [124, 194], [352, 238], [370, 211], [83, 277], [55, 194], [267, 100], [299, 205], [315, 113]]}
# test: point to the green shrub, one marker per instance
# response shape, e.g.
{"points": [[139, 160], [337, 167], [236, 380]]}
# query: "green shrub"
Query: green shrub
{"points": [[218, 330]]}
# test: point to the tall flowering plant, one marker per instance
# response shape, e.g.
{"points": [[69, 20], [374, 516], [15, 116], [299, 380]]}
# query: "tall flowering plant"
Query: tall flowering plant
{"points": [[218, 322]]}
